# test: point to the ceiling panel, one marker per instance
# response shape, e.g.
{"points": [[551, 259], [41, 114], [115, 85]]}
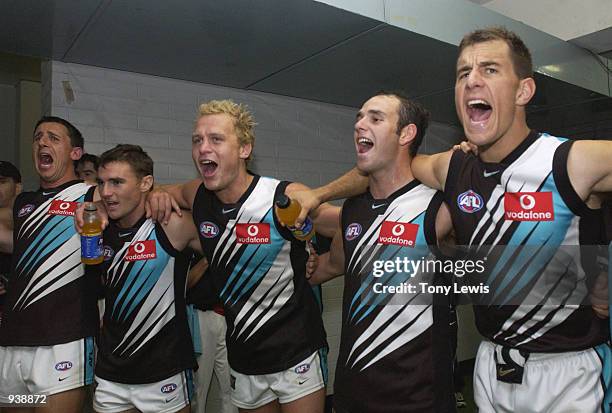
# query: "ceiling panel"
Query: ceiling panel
{"points": [[384, 58], [230, 42], [43, 28]]}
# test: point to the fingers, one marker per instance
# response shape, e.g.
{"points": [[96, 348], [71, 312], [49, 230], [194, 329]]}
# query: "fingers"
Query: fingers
{"points": [[313, 261], [601, 311], [78, 218]]}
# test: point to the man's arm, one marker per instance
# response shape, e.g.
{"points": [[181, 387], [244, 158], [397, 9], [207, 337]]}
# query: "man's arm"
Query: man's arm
{"points": [[589, 166], [350, 184], [182, 233], [167, 198], [196, 271], [331, 265], [325, 216], [6, 230], [432, 170]]}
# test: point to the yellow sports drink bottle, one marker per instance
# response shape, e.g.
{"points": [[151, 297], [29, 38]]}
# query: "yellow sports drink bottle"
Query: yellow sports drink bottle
{"points": [[287, 211], [91, 238]]}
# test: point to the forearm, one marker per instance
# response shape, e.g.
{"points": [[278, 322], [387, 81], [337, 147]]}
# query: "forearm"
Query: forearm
{"points": [[196, 272], [325, 271], [350, 184]]}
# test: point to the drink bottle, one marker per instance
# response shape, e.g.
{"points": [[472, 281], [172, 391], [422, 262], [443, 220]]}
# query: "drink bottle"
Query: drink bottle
{"points": [[91, 238], [287, 211]]}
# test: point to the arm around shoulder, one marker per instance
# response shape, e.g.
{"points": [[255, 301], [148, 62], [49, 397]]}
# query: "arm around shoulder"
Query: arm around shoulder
{"points": [[432, 170]]}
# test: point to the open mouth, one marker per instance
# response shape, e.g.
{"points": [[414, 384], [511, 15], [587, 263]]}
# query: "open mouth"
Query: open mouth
{"points": [[45, 160], [111, 205], [479, 110], [208, 167], [364, 145]]}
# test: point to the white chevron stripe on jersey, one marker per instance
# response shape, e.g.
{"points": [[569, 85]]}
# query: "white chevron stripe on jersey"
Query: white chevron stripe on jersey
{"points": [[64, 266], [119, 264], [257, 201], [572, 290], [156, 311], [39, 215], [272, 293], [420, 315], [523, 175]]}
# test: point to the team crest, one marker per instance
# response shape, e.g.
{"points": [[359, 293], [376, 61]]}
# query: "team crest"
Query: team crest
{"points": [[470, 202]]}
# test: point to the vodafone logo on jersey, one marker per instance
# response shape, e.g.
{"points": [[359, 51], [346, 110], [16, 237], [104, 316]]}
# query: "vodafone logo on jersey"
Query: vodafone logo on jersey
{"points": [[66, 208], [529, 206], [253, 233], [398, 233], [142, 250]]}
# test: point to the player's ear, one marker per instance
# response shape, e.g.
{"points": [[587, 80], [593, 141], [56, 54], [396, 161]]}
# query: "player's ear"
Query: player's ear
{"points": [[146, 183]]}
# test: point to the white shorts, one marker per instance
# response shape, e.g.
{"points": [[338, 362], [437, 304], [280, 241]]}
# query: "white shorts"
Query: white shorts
{"points": [[46, 370], [165, 396], [253, 391], [566, 382]]}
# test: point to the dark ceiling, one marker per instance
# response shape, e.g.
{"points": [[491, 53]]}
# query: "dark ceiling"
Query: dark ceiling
{"points": [[298, 48]]}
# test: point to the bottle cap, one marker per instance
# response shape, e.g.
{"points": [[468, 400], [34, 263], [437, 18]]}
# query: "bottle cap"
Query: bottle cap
{"points": [[90, 206], [283, 201]]}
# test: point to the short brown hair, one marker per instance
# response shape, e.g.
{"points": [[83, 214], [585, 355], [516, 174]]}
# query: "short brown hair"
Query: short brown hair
{"points": [[139, 160], [244, 122], [408, 112], [519, 53]]}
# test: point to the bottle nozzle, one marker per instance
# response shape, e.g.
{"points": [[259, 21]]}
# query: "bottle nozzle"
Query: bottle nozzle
{"points": [[283, 201]]}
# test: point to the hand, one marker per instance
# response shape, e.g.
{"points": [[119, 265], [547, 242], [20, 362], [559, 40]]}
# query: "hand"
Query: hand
{"points": [[599, 296], [2, 288], [309, 201], [466, 147], [78, 216], [160, 204], [313, 261]]}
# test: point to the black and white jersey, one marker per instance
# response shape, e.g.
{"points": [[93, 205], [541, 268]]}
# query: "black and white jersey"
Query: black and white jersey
{"points": [[258, 270], [145, 336], [50, 298], [524, 216], [395, 348]]}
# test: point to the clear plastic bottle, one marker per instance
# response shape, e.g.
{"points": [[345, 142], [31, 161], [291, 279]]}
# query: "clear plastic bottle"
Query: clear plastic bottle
{"points": [[287, 211], [91, 238]]}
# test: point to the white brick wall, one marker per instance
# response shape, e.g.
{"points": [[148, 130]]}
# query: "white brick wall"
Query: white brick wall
{"points": [[296, 139]]}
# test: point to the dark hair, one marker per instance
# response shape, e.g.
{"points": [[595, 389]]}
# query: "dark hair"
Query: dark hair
{"points": [[139, 160], [409, 112], [88, 157], [519, 53], [76, 139]]}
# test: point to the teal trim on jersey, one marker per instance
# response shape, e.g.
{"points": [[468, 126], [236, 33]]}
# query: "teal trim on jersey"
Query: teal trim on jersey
{"points": [[605, 355], [136, 293], [610, 282], [372, 299], [258, 257], [58, 230], [88, 363], [194, 328], [190, 384], [546, 235], [323, 363]]}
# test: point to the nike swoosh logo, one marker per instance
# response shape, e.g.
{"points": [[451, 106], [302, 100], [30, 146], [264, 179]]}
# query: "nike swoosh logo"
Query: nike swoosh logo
{"points": [[503, 372], [374, 206], [169, 400], [227, 211], [488, 174], [300, 382], [63, 378], [125, 234], [47, 193]]}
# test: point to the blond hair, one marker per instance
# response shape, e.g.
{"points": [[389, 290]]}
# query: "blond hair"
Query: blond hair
{"points": [[244, 122]]}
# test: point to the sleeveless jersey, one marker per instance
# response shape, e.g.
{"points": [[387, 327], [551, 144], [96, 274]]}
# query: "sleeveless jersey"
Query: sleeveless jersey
{"points": [[395, 351], [525, 217], [145, 336], [258, 271], [50, 299]]}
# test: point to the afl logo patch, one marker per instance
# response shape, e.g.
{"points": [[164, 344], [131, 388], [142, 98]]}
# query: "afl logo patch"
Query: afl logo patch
{"points": [[470, 202], [169, 388], [208, 229], [63, 366], [302, 368], [352, 231], [108, 253], [25, 210]]}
